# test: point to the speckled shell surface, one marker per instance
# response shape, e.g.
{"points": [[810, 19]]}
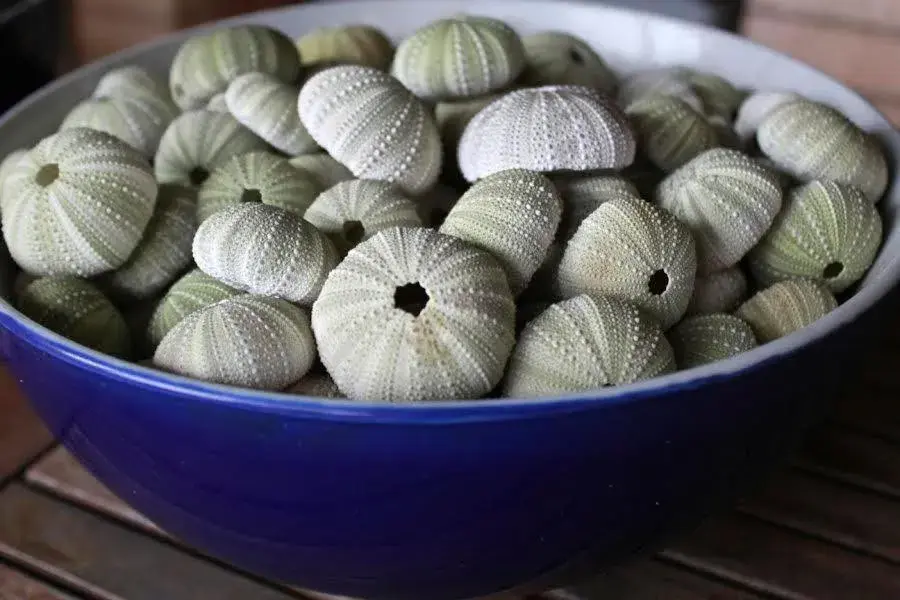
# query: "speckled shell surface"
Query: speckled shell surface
{"points": [[810, 141], [705, 339], [349, 44], [322, 169], [273, 179], [586, 343], [827, 231], [719, 292], [756, 108], [247, 340], [130, 81], [720, 98], [785, 307], [559, 58], [91, 216], [548, 129], [198, 141], [459, 57], [583, 194], [633, 250], [7, 165], [457, 346], [268, 108], [666, 81], [374, 126], [727, 199], [77, 310], [205, 65], [265, 250], [315, 385]]}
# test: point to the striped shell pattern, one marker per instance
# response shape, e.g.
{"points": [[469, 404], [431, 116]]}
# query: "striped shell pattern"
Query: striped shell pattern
{"points": [[130, 81], [349, 44], [661, 81], [322, 168], [558, 58], [704, 339], [583, 194], [756, 108], [785, 307]]}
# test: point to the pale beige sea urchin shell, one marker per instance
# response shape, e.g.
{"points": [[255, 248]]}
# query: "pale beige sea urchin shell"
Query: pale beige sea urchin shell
{"points": [[7, 165], [582, 194], [666, 81], [719, 292], [130, 81], [315, 385], [414, 315], [705, 339], [348, 44], [558, 58], [218, 103], [322, 168], [785, 307], [756, 108], [586, 343]]}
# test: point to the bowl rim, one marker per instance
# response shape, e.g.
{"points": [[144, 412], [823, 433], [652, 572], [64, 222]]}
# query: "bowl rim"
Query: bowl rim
{"points": [[447, 411]]}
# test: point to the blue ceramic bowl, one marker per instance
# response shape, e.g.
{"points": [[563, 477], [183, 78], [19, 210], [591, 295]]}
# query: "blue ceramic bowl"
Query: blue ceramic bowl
{"points": [[459, 499]]}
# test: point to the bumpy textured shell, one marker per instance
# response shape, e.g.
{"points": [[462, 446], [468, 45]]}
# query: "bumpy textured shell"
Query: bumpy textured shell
{"points": [[86, 220], [193, 291], [827, 231], [131, 81], [459, 57], [756, 108], [557, 58], [722, 291], [457, 346], [582, 194], [205, 65], [322, 169], [197, 142], [218, 103], [720, 98], [268, 108], [265, 250], [164, 251], [350, 44], [373, 125], [585, 343], [666, 81], [632, 250], [555, 128], [76, 309], [810, 141], [7, 165], [785, 307], [248, 341], [434, 206], [256, 177], [453, 117], [316, 385], [706, 339], [353, 211], [513, 215], [671, 132], [727, 199]]}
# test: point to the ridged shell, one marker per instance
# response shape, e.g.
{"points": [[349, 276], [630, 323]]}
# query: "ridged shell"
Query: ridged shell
{"points": [[513, 215], [785, 307], [248, 341], [548, 129], [77, 310], [268, 108], [164, 251], [671, 133], [557, 58], [7, 165], [218, 103], [583, 194], [434, 206], [205, 65], [586, 343], [719, 292], [77, 204], [453, 117], [353, 211], [827, 232], [810, 141], [195, 290], [727, 199], [322, 169], [633, 250], [710, 338], [265, 250], [256, 177], [756, 108], [197, 142], [720, 98], [316, 385], [349, 44], [457, 346], [666, 81], [374, 126], [131, 81], [459, 57]]}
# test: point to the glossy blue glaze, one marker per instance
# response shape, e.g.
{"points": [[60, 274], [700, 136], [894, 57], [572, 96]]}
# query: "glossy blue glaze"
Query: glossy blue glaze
{"points": [[461, 499]]}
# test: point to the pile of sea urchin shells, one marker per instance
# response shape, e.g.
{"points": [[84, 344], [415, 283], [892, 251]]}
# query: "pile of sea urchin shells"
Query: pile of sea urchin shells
{"points": [[469, 214]]}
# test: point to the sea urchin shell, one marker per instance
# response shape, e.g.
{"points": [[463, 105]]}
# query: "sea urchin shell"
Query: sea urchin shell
{"points": [[704, 339], [557, 58], [785, 307], [719, 292]]}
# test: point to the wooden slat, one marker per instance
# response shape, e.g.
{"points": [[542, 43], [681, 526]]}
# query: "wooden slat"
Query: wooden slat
{"points": [[877, 13], [22, 435], [16, 586], [856, 458]]}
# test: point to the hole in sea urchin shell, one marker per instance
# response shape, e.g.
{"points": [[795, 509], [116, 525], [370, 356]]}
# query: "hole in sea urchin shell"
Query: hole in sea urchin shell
{"points": [[576, 57], [251, 195], [47, 175], [177, 90], [198, 175], [658, 283], [354, 232], [411, 297], [832, 270]]}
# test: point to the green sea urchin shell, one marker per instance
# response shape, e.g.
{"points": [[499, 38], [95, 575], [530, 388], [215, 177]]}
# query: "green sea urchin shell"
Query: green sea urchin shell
{"points": [[322, 169], [633, 250], [349, 44], [453, 117], [131, 81], [75, 309], [827, 231], [706, 339], [583, 194], [756, 108], [727, 199], [548, 129], [353, 211], [719, 292], [785, 307], [315, 385], [77, 204], [414, 315], [248, 341], [557, 58], [720, 98], [586, 343], [459, 57], [810, 141], [373, 125], [268, 108], [218, 103], [265, 250], [256, 177], [205, 65], [666, 81], [511, 214], [197, 142]]}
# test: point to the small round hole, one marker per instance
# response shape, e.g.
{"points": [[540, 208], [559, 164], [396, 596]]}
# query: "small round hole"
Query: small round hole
{"points": [[658, 283], [411, 297], [251, 195], [354, 231], [576, 57], [47, 175], [198, 175], [833, 270]]}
